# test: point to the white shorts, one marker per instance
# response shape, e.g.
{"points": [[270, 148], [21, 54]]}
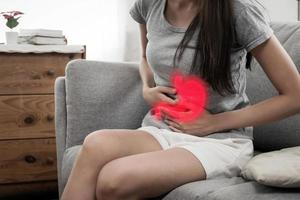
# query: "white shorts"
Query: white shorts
{"points": [[219, 157]]}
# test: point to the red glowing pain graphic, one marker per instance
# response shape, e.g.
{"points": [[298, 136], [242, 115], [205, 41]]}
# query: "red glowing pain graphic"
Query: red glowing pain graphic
{"points": [[192, 98]]}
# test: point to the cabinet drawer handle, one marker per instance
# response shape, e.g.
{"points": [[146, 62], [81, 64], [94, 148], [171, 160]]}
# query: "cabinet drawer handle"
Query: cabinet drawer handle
{"points": [[30, 159], [29, 120], [50, 118], [50, 72]]}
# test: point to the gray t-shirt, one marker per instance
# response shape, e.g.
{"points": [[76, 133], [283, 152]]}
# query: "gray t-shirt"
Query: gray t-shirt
{"points": [[252, 27]]}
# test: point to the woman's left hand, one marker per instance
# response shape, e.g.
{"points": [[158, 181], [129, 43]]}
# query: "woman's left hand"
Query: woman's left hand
{"points": [[205, 125]]}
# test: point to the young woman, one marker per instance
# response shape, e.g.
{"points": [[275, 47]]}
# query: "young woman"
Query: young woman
{"points": [[210, 38]]}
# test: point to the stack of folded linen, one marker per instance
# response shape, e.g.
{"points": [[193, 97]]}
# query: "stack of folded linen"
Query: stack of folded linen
{"points": [[41, 37]]}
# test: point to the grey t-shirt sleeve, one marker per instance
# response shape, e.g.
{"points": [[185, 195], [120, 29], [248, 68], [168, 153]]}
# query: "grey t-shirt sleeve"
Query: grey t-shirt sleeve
{"points": [[138, 12], [252, 27]]}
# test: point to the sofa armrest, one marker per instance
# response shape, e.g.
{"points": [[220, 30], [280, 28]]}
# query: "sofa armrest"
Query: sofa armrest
{"points": [[60, 123]]}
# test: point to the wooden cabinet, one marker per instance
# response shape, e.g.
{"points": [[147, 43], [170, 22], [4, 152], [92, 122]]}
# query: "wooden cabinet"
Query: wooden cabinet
{"points": [[27, 133]]}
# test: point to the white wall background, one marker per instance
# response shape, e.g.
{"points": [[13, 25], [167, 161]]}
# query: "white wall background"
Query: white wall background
{"points": [[282, 10], [104, 26]]}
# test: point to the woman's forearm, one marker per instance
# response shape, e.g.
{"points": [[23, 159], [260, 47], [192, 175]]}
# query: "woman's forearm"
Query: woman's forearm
{"points": [[273, 109], [146, 74]]}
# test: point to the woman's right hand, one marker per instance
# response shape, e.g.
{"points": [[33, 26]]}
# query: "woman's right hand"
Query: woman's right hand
{"points": [[157, 94]]}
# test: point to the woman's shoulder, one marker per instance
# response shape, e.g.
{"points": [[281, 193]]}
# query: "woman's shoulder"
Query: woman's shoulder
{"points": [[148, 2], [142, 8], [243, 5], [147, 5], [252, 23]]}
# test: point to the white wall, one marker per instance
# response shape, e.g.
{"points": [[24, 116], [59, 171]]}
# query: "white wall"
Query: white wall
{"points": [[282, 10], [103, 25]]}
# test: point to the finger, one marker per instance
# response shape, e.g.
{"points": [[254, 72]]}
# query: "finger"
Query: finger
{"points": [[175, 125], [167, 99], [167, 116], [173, 114], [167, 113], [175, 129], [168, 90], [187, 126], [164, 114]]}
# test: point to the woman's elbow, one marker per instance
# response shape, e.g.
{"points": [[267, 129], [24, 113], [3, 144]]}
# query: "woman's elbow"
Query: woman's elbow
{"points": [[298, 103], [297, 94], [296, 100], [292, 101]]}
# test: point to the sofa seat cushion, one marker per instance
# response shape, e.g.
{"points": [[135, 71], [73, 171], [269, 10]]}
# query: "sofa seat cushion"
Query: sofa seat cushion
{"points": [[201, 189], [254, 191]]}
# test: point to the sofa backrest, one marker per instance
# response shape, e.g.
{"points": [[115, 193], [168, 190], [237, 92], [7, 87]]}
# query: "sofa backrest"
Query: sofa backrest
{"points": [[283, 133], [101, 95]]}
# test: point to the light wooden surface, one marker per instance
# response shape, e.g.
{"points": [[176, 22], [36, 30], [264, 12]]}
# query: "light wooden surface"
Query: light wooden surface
{"points": [[31, 74], [26, 116], [27, 131], [27, 160]]}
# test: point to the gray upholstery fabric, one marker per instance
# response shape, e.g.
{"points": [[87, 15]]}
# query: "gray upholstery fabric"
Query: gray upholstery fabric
{"points": [[201, 189], [284, 133], [102, 95], [253, 191], [60, 124], [67, 163], [97, 95]]}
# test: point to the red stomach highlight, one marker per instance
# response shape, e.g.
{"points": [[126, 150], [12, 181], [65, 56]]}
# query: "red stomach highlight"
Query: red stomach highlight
{"points": [[192, 99]]}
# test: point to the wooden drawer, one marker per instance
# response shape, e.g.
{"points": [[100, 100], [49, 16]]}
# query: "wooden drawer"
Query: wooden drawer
{"points": [[26, 116], [27, 160], [32, 73]]}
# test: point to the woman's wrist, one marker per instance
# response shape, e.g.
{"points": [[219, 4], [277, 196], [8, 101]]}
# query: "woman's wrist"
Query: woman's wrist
{"points": [[145, 88], [226, 121]]}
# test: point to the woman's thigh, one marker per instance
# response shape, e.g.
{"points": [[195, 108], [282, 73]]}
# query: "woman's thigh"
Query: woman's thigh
{"points": [[115, 143], [148, 174]]}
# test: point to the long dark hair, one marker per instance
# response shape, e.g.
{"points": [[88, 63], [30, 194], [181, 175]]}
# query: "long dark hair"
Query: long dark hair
{"points": [[213, 46]]}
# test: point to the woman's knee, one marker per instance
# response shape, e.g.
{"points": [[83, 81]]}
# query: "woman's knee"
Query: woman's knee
{"points": [[117, 181], [97, 140]]}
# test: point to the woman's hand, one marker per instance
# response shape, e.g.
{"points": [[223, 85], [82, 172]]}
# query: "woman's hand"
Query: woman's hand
{"points": [[205, 125], [157, 94]]}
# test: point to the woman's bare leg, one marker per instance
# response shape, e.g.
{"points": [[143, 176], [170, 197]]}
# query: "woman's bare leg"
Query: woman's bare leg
{"points": [[99, 148], [148, 175]]}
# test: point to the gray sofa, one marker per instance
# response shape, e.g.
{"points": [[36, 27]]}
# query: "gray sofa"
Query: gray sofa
{"points": [[97, 95]]}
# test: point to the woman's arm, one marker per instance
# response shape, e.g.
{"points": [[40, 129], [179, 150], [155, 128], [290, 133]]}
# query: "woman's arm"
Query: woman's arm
{"points": [[283, 74], [151, 92], [145, 71]]}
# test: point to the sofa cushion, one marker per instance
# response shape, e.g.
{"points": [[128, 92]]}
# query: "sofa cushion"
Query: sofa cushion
{"points": [[201, 189], [283, 133], [102, 95], [276, 168], [253, 191]]}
